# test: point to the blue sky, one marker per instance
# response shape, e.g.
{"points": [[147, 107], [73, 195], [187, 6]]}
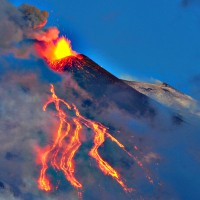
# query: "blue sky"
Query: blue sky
{"points": [[142, 39]]}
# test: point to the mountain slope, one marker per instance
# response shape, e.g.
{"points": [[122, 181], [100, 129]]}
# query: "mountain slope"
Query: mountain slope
{"points": [[104, 86], [166, 95]]}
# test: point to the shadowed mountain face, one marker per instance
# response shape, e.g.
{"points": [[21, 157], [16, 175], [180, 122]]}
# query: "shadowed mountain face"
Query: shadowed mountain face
{"points": [[103, 86]]}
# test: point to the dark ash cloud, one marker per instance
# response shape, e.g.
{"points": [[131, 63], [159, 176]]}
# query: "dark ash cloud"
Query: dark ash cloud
{"points": [[22, 23]]}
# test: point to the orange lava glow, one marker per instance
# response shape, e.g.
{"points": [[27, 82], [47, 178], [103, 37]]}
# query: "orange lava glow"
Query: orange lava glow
{"points": [[63, 49], [55, 51], [60, 154]]}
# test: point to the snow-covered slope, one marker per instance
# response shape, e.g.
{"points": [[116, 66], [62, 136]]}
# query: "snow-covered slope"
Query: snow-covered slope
{"points": [[166, 95]]}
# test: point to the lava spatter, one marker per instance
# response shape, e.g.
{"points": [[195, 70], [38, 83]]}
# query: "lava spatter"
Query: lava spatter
{"points": [[60, 155]]}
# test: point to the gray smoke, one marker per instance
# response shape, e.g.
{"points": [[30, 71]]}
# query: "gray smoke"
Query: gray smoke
{"points": [[23, 23]]}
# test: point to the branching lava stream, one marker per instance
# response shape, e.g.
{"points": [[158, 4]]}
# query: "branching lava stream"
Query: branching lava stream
{"points": [[67, 151]]}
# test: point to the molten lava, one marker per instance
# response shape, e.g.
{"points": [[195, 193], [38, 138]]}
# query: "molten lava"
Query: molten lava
{"points": [[55, 51], [60, 154], [63, 49]]}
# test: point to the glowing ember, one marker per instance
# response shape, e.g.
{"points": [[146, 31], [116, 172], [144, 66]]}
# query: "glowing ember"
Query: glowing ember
{"points": [[60, 155], [54, 51]]}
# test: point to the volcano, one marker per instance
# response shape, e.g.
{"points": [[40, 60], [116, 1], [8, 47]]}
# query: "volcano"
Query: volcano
{"points": [[71, 130]]}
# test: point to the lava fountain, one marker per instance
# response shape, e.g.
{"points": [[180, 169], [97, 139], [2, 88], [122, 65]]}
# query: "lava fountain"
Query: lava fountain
{"points": [[55, 52]]}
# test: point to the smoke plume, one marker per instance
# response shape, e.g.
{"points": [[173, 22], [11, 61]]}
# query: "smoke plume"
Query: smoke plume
{"points": [[20, 24]]}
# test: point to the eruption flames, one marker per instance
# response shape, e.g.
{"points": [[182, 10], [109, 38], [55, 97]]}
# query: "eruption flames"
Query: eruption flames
{"points": [[55, 50], [57, 53], [60, 155]]}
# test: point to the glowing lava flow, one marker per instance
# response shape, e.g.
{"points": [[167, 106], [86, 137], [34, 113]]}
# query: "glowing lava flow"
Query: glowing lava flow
{"points": [[60, 155]]}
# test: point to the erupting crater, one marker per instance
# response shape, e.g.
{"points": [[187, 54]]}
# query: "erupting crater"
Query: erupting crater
{"points": [[58, 53]]}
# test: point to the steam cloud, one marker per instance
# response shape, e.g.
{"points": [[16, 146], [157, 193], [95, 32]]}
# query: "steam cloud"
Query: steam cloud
{"points": [[18, 24]]}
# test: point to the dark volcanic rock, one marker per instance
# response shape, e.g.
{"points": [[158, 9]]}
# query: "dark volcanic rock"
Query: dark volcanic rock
{"points": [[104, 86]]}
